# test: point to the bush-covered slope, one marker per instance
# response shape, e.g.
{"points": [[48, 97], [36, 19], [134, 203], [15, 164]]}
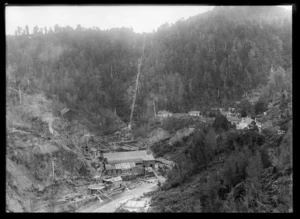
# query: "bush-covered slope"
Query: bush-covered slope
{"points": [[207, 59], [228, 171]]}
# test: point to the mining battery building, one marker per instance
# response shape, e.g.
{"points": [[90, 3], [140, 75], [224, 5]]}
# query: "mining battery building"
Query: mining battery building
{"points": [[128, 163]]}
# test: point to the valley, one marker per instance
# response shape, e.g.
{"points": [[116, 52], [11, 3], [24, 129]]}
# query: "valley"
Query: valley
{"points": [[196, 116]]}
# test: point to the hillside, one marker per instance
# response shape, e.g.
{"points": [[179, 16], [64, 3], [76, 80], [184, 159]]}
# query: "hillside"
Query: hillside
{"points": [[228, 57], [209, 59], [229, 170], [34, 154]]}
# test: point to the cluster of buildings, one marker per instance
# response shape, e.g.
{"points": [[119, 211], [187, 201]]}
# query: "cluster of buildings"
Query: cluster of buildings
{"points": [[235, 118], [165, 114], [231, 114], [247, 122], [121, 167]]}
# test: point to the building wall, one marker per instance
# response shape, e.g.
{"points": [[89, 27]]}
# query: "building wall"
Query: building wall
{"points": [[117, 184], [149, 163]]}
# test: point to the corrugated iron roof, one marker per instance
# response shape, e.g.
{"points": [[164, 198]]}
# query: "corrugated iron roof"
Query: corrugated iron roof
{"points": [[130, 156], [120, 166], [125, 166]]}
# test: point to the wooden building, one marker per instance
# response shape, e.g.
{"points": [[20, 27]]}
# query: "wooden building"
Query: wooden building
{"points": [[164, 113], [194, 113], [115, 182], [131, 162]]}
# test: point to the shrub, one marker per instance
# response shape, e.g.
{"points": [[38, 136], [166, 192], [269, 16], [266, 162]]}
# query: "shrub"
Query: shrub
{"points": [[260, 107], [221, 123], [198, 151], [172, 124], [284, 160], [235, 168], [210, 139], [245, 108], [209, 197], [141, 131], [160, 149]]}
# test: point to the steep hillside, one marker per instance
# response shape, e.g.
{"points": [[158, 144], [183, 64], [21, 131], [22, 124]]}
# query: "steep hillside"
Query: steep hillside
{"points": [[227, 170], [209, 59], [37, 159]]}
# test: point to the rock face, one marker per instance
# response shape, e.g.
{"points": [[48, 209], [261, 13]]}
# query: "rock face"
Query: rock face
{"points": [[178, 137]]}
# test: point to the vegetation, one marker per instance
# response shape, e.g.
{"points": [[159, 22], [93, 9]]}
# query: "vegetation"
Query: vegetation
{"points": [[242, 183], [210, 58], [207, 60]]}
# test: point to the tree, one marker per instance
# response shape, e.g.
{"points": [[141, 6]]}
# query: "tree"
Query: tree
{"points": [[260, 106], [27, 30], [210, 139], [18, 32], [35, 30], [221, 123], [245, 108]]}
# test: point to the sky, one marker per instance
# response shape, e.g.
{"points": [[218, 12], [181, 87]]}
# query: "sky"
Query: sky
{"points": [[140, 18]]}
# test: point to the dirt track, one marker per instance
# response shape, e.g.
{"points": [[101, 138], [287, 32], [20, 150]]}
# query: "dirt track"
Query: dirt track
{"points": [[111, 206]]}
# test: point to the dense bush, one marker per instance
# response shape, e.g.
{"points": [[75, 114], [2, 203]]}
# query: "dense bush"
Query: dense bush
{"points": [[199, 153], [246, 108], [173, 124], [141, 131], [260, 107], [161, 148], [221, 123], [284, 159]]}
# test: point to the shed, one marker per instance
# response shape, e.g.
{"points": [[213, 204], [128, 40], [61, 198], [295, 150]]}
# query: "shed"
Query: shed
{"points": [[194, 113], [116, 182]]}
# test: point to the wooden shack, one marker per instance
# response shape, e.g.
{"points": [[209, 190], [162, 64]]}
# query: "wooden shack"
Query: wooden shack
{"points": [[115, 182]]}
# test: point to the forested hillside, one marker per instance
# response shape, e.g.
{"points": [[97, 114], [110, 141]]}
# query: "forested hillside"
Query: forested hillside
{"points": [[233, 56], [210, 58]]}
